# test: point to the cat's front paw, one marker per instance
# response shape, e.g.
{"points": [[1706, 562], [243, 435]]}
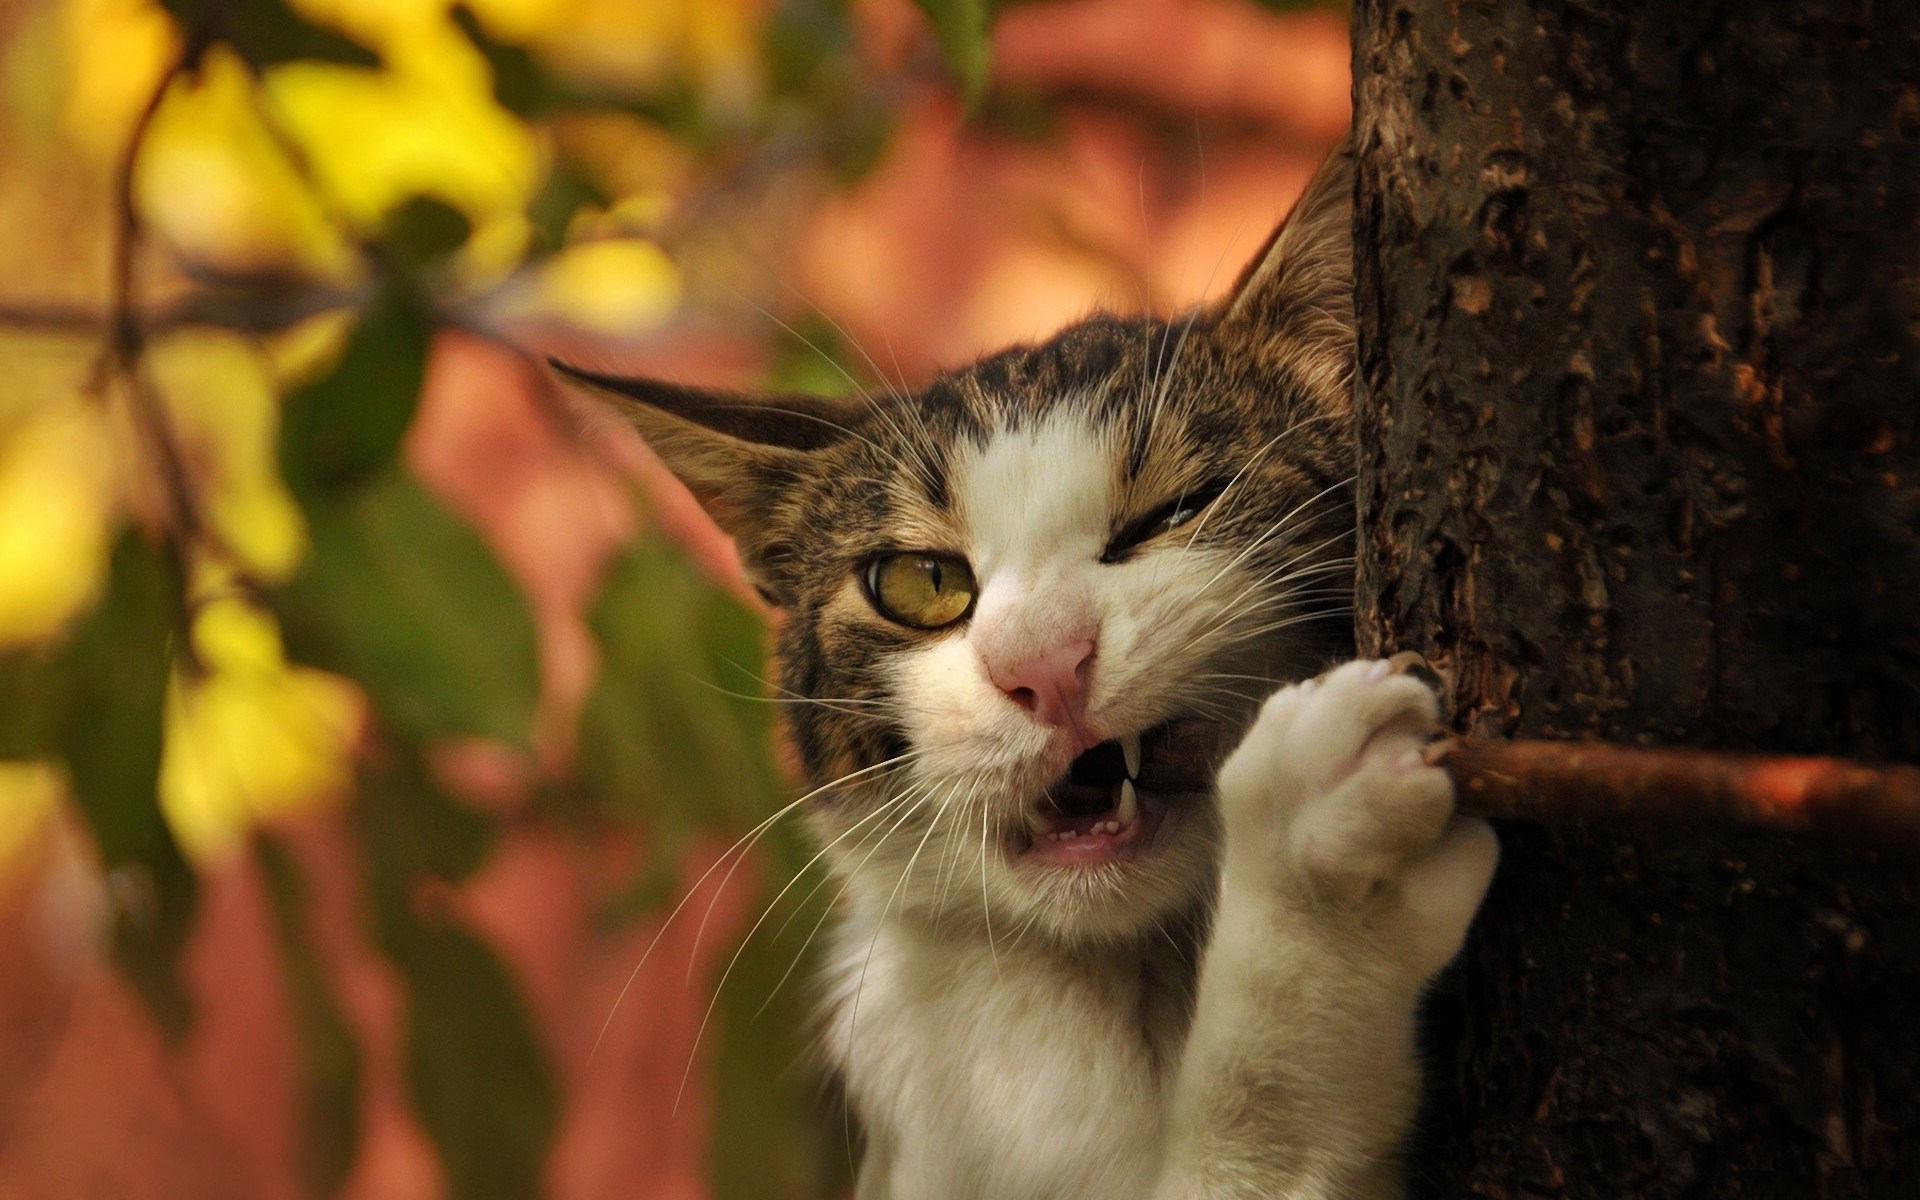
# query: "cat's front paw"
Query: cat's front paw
{"points": [[1329, 805]]}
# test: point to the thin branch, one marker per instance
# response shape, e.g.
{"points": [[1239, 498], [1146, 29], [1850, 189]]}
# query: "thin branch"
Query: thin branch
{"points": [[1871, 805], [122, 355], [1557, 783], [269, 307]]}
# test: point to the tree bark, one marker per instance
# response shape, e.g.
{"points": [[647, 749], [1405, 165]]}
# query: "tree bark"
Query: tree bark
{"points": [[1639, 311]]}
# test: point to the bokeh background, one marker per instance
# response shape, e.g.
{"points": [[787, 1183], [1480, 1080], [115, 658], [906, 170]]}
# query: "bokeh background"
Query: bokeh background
{"points": [[383, 736]]}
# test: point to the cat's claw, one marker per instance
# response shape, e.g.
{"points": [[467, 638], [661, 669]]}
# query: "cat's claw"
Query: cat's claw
{"points": [[1331, 806]]}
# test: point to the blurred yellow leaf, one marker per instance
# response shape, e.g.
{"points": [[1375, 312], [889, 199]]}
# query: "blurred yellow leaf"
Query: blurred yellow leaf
{"points": [[60, 492], [630, 158], [214, 183], [427, 125], [640, 46], [115, 50], [617, 286], [253, 737], [520, 21], [220, 392], [302, 351], [29, 792]]}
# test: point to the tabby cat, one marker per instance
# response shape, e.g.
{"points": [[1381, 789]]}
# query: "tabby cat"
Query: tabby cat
{"points": [[1050, 976]]}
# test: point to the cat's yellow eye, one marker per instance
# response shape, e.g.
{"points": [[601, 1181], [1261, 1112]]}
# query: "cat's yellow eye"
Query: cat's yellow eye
{"points": [[926, 591]]}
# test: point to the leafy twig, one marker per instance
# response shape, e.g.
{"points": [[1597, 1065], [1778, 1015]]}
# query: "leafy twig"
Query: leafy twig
{"points": [[122, 355], [257, 307]]}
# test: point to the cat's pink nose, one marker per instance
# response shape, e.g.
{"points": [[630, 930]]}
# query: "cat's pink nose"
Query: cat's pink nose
{"points": [[1052, 684]]}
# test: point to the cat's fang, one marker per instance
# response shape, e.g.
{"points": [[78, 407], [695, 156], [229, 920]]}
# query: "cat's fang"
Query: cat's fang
{"points": [[1128, 810], [1038, 825], [1130, 750]]}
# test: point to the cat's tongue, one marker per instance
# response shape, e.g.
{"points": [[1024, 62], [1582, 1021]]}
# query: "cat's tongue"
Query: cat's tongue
{"points": [[1078, 822], [1094, 813]]}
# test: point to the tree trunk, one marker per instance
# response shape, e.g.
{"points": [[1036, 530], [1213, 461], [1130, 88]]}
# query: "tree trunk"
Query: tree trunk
{"points": [[1639, 308]]}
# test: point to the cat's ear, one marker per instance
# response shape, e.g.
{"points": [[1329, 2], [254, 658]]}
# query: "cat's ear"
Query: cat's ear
{"points": [[1301, 283], [741, 456]]}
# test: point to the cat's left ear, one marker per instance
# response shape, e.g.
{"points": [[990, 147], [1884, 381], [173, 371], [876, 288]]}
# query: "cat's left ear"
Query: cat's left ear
{"points": [[741, 456], [1300, 285]]}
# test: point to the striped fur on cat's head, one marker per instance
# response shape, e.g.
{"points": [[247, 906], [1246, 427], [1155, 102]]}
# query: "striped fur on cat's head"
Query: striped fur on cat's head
{"points": [[991, 587]]}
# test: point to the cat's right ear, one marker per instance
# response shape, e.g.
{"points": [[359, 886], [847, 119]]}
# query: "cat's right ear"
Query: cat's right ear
{"points": [[1301, 283], [739, 455]]}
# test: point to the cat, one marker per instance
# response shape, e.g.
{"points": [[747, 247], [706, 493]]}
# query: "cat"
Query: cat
{"points": [[998, 595]]}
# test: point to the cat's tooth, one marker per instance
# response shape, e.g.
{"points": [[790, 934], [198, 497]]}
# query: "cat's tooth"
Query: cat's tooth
{"points": [[1130, 750], [1129, 808]]}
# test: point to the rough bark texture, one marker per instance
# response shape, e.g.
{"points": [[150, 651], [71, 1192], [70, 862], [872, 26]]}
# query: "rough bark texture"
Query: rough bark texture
{"points": [[1639, 300]]}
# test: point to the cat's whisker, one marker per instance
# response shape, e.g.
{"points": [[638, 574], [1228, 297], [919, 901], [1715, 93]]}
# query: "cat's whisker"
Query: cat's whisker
{"points": [[986, 904], [745, 844], [897, 392], [1285, 592], [904, 799], [1228, 496], [758, 832], [923, 452], [1165, 379], [1274, 587], [1276, 529], [867, 710], [1274, 581], [1266, 591], [878, 836], [828, 909], [950, 856], [853, 1017], [1233, 632], [903, 804], [921, 439]]}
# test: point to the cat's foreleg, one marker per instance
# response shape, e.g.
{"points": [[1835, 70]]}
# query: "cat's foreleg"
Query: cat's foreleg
{"points": [[1346, 884]]}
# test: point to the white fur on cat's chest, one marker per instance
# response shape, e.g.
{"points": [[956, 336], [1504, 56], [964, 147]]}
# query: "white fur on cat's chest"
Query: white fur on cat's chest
{"points": [[1033, 1078]]}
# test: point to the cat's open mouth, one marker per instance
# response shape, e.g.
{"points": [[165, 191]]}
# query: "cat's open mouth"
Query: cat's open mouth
{"points": [[1095, 812]]}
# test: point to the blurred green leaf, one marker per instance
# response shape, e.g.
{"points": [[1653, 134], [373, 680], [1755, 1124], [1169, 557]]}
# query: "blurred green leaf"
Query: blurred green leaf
{"points": [[813, 356], [413, 828], [772, 1135], [566, 190], [155, 898], [108, 731], [421, 232], [404, 596], [116, 673], [492, 1122], [33, 690], [266, 32], [343, 426], [479, 1079], [329, 1078], [673, 731], [518, 82], [806, 39], [961, 26]]}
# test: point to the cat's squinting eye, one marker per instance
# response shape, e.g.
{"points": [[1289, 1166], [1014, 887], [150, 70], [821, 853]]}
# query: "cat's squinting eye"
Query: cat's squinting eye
{"points": [[926, 591], [1164, 519]]}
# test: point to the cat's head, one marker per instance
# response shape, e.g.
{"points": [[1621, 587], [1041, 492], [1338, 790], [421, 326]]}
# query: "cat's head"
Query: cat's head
{"points": [[994, 587]]}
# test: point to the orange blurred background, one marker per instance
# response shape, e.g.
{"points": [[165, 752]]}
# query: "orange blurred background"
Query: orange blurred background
{"points": [[1131, 154]]}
